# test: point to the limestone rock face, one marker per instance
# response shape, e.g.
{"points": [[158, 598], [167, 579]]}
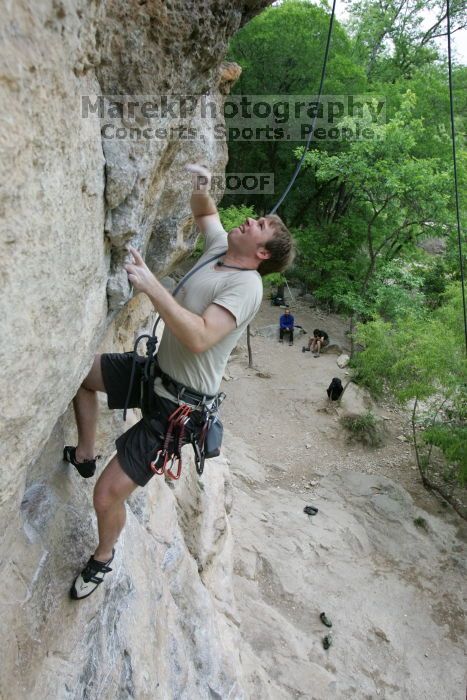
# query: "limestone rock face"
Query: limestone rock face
{"points": [[392, 589], [71, 198]]}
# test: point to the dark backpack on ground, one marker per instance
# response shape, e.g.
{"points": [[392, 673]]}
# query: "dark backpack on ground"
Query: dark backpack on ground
{"points": [[335, 389]]}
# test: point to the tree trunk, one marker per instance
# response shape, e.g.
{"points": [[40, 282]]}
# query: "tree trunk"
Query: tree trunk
{"points": [[438, 410], [351, 330], [415, 444], [248, 343]]}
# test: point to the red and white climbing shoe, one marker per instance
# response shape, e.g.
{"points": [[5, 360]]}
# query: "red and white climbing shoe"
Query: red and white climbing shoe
{"points": [[90, 578]]}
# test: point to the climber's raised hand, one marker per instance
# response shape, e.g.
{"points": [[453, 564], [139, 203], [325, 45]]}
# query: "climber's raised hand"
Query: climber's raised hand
{"points": [[200, 176]]}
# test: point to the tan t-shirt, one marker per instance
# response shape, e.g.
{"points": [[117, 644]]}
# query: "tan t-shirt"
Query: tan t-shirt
{"points": [[238, 291]]}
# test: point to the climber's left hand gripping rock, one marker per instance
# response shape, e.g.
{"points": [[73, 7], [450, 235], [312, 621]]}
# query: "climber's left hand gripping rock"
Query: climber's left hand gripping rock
{"points": [[139, 273]]}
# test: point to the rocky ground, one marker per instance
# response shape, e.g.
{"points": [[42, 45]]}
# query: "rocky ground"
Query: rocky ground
{"points": [[392, 587]]}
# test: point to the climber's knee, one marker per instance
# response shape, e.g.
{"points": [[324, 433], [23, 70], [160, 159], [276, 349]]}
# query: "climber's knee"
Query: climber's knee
{"points": [[94, 380], [113, 487]]}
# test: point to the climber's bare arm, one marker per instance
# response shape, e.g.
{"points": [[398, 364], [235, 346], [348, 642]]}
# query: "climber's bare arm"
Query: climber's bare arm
{"points": [[203, 206], [197, 333]]}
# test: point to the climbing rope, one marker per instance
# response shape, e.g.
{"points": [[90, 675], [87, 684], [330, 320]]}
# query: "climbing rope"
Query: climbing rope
{"points": [[310, 135], [454, 159]]}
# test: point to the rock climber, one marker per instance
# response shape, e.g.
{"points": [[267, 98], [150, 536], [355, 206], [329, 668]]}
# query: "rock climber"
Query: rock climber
{"points": [[202, 326]]}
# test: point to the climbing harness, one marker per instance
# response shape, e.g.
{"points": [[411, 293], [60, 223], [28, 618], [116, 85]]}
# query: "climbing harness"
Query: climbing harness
{"points": [[196, 422]]}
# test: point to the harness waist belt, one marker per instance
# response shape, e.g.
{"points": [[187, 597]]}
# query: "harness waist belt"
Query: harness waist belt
{"points": [[183, 392]]}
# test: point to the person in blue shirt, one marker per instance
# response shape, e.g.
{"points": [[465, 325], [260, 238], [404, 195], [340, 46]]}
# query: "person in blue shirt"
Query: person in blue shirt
{"points": [[286, 325]]}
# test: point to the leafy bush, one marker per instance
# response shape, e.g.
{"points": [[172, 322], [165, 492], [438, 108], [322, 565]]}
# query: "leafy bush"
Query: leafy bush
{"points": [[434, 284], [421, 523], [452, 440], [230, 217], [421, 357], [363, 428], [198, 249], [235, 216], [275, 279]]}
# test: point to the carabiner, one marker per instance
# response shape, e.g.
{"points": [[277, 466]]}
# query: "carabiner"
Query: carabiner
{"points": [[153, 464], [168, 470]]}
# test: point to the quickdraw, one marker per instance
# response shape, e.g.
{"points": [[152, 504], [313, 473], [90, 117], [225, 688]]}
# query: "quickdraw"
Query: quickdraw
{"points": [[171, 451], [198, 447]]}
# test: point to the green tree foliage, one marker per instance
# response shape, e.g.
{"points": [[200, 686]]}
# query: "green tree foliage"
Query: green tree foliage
{"points": [[434, 283], [281, 52], [421, 357], [391, 38], [230, 217], [402, 45], [235, 216], [380, 199], [349, 208]]}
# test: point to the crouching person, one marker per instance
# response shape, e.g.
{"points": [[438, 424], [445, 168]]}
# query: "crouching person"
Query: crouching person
{"points": [[319, 341], [202, 325]]}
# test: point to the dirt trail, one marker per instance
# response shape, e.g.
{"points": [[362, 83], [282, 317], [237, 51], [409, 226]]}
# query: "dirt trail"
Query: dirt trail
{"points": [[285, 417]]}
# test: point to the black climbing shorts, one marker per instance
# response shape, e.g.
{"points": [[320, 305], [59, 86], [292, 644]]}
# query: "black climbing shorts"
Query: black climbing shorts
{"points": [[138, 446]]}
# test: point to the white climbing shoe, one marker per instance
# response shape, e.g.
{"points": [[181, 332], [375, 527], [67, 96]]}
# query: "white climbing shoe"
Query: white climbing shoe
{"points": [[90, 578]]}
